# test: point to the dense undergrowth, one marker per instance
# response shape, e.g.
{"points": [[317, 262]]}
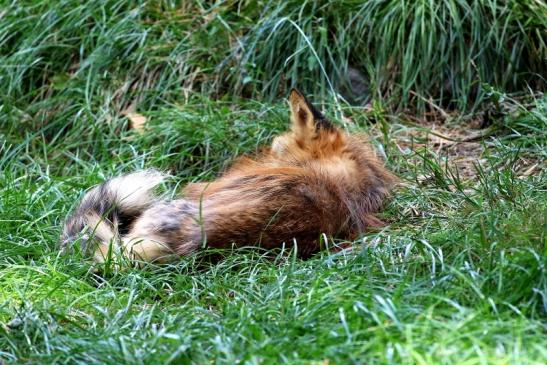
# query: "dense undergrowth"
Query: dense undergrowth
{"points": [[402, 52], [458, 275]]}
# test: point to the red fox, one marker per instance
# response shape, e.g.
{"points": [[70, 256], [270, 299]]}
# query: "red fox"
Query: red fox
{"points": [[314, 179]]}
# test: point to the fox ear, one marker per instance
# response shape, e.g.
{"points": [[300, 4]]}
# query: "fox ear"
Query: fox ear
{"points": [[305, 119]]}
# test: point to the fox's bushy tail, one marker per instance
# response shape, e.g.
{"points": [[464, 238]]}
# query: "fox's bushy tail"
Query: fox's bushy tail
{"points": [[97, 221]]}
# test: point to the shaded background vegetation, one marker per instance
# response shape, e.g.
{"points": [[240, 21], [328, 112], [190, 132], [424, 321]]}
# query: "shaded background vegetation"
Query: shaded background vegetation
{"points": [[401, 52]]}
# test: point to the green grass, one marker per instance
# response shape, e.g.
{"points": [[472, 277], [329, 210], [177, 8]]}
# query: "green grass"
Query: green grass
{"points": [[459, 275], [407, 53]]}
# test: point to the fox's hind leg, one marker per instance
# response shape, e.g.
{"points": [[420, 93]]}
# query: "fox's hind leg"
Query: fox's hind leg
{"points": [[148, 249], [163, 232]]}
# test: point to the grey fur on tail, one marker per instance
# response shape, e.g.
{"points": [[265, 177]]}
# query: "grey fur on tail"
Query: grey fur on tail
{"points": [[97, 218]]}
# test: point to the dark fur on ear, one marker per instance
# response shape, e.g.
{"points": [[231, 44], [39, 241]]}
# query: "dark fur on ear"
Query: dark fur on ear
{"points": [[319, 119]]}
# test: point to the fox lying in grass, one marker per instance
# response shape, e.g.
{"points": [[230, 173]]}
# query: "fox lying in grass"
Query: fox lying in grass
{"points": [[315, 179]]}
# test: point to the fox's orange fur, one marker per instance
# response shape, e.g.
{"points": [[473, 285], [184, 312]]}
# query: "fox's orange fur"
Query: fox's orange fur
{"points": [[315, 179]]}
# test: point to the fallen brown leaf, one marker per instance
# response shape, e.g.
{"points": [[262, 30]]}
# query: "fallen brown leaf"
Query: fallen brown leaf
{"points": [[136, 121]]}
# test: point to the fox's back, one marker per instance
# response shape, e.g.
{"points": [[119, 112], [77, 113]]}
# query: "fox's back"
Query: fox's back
{"points": [[271, 206]]}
